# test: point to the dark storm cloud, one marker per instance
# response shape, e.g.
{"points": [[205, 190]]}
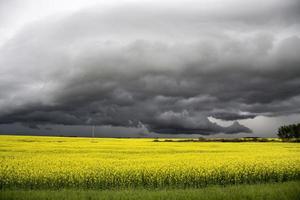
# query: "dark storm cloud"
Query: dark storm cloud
{"points": [[232, 116], [163, 67]]}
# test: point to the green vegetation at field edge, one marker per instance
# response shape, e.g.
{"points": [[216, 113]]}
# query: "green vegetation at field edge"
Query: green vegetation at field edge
{"points": [[271, 191], [244, 139]]}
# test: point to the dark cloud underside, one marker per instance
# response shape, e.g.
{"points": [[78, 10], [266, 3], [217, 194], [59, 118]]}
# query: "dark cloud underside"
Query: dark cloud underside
{"points": [[165, 67]]}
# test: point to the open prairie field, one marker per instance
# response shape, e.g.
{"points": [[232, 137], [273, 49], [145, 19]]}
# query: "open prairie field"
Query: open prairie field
{"points": [[28, 162]]}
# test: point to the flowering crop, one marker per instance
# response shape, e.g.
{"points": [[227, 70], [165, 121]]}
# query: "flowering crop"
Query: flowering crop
{"points": [[57, 162]]}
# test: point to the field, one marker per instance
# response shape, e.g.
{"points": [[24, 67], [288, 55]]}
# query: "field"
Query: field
{"points": [[269, 191], [89, 163]]}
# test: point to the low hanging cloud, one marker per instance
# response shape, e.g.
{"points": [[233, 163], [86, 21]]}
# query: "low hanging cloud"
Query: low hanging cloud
{"points": [[166, 67]]}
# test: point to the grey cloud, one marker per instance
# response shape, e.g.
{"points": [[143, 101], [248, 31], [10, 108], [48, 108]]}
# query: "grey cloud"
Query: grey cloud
{"points": [[165, 67], [228, 116], [183, 122]]}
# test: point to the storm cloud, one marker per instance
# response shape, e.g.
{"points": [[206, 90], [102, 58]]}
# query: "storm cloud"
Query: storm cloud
{"points": [[165, 67]]}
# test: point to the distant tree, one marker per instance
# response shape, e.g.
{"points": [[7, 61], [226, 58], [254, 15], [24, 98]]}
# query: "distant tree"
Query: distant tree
{"points": [[289, 131]]}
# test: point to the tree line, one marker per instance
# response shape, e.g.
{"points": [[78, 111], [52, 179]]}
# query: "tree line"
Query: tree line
{"points": [[289, 131]]}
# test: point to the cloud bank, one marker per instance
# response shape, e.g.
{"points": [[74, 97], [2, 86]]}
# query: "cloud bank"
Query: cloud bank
{"points": [[166, 67]]}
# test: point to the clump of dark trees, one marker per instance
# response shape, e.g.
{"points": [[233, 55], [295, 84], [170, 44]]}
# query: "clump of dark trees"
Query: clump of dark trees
{"points": [[289, 131]]}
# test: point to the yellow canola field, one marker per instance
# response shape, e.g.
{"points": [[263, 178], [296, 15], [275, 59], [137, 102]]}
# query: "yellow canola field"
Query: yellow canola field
{"points": [[60, 162]]}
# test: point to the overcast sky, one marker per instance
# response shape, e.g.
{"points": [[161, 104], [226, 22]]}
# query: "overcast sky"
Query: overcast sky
{"points": [[138, 68]]}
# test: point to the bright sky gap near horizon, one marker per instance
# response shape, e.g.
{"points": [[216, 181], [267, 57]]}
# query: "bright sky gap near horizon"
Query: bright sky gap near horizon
{"points": [[146, 68]]}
